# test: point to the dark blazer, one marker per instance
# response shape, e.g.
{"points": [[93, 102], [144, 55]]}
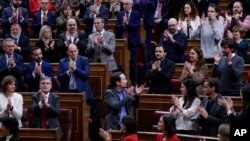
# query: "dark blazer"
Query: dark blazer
{"points": [[113, 107], [132, 27], [175, 51], [13, 138], [52, 112], [241, 120], [7, 13], [216, 116], [36, 23], [81, 75], [23, 43], [149, 12], [160, 81], [16, 71], [103, 12], [50, 55], [32, 82], [81, 44]]}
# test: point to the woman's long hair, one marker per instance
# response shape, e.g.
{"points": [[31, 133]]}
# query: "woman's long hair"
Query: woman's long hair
{"points": [[191, 93]]}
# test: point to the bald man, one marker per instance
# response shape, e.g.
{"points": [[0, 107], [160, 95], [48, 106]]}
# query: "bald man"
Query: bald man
{"points": [[72, 36], [73, 72], [175, 42]]}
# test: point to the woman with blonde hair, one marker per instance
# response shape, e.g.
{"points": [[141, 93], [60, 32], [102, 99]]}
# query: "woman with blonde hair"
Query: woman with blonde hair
{"points": [[47, 44], [11, 103], [224, 132]]}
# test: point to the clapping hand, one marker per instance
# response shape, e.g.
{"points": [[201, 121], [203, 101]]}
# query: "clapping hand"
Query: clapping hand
{"points": [[106, 135], [202, 111], [216, 57]]}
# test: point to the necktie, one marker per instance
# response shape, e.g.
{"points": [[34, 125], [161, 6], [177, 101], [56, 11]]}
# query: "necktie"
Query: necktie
{"points": [[15, 17], [159, 11], [127, 15], [15, 40], [44, 15], [44, 117], [72, 82]]}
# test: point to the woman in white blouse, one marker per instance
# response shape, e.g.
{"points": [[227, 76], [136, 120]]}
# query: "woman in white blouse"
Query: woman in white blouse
{"points": [[185, 108], [189, 19], [11, 103]]}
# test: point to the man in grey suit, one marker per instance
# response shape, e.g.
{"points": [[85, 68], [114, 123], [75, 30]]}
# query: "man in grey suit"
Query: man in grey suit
{"points": [[119, 100], [45, 106], [101, 45]]}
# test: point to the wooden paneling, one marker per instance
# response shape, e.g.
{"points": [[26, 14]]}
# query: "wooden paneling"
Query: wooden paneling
{"points": [[80, 111], [35, 134], [152, 102]]}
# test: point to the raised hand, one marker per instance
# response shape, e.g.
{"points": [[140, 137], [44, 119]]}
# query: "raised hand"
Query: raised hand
{"points": [[139, 90], [202, 111], [216, 57]]}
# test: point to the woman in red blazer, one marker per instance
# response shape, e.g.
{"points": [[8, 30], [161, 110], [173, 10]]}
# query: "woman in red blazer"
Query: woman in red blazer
{"points": [[128, 127], [167, 126]]}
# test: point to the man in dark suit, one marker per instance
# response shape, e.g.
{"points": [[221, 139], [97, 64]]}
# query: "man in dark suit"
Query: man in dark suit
{"points": [[119, 100], [212, 114], [15, 14], [128, 24], [72, 36], [93, 11], [11, 63], [45, 106], [36, 69], [21, 41], [160, 72], [43, 17], [73, 73]]}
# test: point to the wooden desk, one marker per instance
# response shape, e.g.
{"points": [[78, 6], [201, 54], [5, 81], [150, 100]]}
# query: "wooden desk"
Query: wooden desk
{"points": [[80, 112], [160, 102], [35, 134]]}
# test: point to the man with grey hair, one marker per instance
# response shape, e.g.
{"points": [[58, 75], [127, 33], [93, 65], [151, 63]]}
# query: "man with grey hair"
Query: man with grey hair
{"points": [[11, 63], [72, 36]]}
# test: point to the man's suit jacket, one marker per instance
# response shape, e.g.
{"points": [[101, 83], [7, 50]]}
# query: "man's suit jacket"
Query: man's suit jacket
{"points": [[32, 82], [160, 81], [114, 105], [216, 116], [36, 24], [51, 114], [7, 13], [149, 12], [81, 44], [89, 21], [103, 53], [23, 43], [16, 71], [132, 27], [81, 75]]}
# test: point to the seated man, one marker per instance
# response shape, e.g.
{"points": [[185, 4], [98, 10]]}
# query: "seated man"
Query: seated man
{"points": [[101, 45], [36, 69], [45, 106], [160, 72]]}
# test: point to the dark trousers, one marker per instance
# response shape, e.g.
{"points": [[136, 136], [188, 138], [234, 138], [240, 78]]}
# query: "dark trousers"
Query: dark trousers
{"points": [[133, 70]]}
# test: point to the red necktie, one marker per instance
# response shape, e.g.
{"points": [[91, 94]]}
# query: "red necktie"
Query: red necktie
{"points": [[44, 118], [15, 17], [159, 11]]}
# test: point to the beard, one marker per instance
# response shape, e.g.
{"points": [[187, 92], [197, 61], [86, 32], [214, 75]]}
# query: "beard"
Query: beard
{"points": [[16, 5], [16, 36]]}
